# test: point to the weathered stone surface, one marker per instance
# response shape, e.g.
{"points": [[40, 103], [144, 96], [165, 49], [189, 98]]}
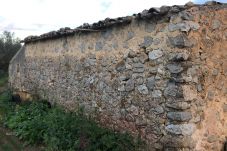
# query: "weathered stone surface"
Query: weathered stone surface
{"points": [[151, 83], [156, 94], [178, 105], [180, 41], [159, 110], [129, 86], [143, 89], [171, 90], [174, 68], [99, 46], [182, 56], [155, 54], [176, 141], [179, 116], [147, 42], [120, 66], [181, 129]]}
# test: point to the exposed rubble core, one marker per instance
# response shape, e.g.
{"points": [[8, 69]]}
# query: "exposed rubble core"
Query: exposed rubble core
{"points": [[160, 74]]}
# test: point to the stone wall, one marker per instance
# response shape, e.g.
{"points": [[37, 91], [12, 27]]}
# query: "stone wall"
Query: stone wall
{"points": [[162, 79]]}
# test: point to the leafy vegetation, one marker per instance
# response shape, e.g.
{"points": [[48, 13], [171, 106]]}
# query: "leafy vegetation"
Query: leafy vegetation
{"points": [[36, 123], [57, 129], [9, 45]]}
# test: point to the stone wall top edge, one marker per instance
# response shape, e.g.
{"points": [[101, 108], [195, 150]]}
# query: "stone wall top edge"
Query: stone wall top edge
{"points": [[152, 14]]}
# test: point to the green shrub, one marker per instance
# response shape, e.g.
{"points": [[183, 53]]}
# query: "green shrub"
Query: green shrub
{"points": [[59, 130]]}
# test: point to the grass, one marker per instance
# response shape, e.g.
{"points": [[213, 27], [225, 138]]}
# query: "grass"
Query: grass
{"points": [[3, 80]]}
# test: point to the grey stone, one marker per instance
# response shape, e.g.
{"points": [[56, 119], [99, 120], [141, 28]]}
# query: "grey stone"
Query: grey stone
{"points": [[189, 4], [156, 41], [224, 107], [164, 9], [147, 42], [133, 110], [99, 46], [178, 105], [199, 87], [181, 56], [138, 67], [120, 66], [181, 129], [180, 26], [129, 86], [155, 54], [177, 141], [131, 54], [159, 110], [180, 41], [170, 90], [150, 27], [156, 94], [174, 68], [130, 35], [179, 116], [194, 25], [151, 83], [216, 24], [143, 89], [186, 15]]}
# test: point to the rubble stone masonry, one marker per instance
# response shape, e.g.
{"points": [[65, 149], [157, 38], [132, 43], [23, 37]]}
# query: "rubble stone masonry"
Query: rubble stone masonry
{"points": [[160, 74]]}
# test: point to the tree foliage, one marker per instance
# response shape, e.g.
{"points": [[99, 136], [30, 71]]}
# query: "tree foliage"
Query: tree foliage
{"points": [[9, 45]]}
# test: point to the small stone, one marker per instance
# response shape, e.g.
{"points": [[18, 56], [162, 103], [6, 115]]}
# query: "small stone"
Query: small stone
{"points": [[130, 35], [156, 94], [216, 24], [143, 89], [182, 56], [151, 83], [225, 108], [186, 15], [147, 42], [174, 68], [212, 138], [99, 46], [179, 116], [180, 41], [199, 87], [159, 110], [120, 66], [171, 90], [215, 72], [179, 105], [134, 110], [155, 54], [164, 9], [189, 4], [181, 129], [131, 54], [129, 86]]}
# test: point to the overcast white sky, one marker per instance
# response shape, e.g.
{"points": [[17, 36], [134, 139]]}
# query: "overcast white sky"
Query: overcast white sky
{"points": [[34, 17]]}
